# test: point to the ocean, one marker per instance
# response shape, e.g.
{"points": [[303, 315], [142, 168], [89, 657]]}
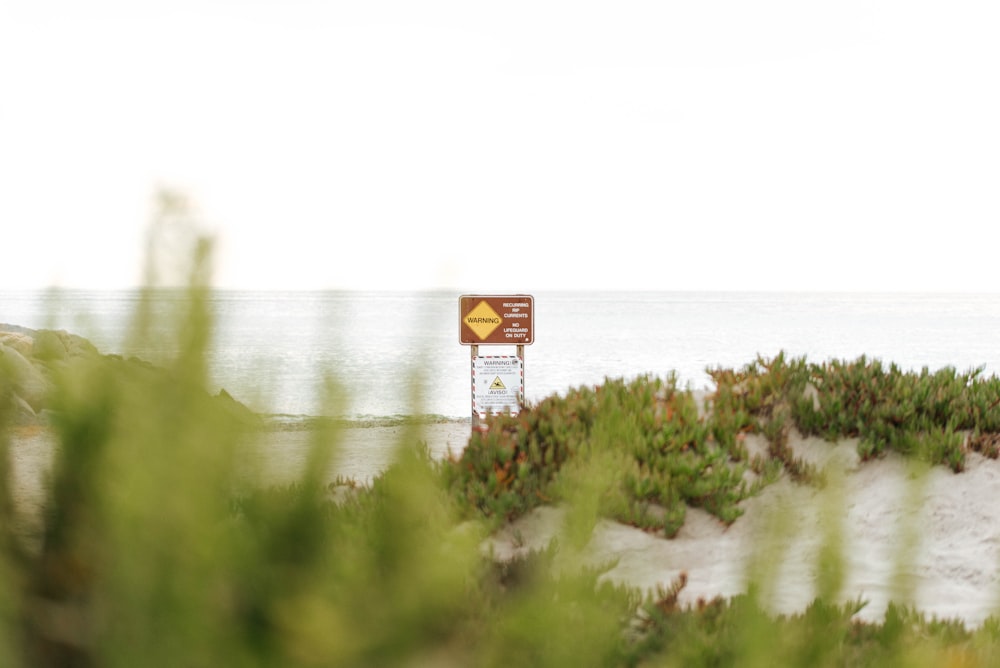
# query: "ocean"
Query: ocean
{"points": [[399, 353]]}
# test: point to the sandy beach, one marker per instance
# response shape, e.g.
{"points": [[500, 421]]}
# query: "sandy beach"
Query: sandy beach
{"points": [[928, 539], [278, 456]]}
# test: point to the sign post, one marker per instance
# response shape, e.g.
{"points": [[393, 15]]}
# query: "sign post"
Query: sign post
{"points": [[497, 381]]}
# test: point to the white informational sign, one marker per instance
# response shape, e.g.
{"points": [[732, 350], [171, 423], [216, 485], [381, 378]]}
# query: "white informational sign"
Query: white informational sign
{"points": [[497, 384]]}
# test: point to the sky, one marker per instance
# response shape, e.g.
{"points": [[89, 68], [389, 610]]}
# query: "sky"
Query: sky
{"points": [[511, 147]]}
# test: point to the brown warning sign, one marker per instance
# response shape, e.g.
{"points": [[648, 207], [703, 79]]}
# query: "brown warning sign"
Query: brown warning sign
{"points": [[496, 319]]}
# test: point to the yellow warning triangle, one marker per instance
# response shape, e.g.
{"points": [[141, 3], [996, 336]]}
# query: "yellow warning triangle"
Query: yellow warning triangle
{"points": [[497, 384]]}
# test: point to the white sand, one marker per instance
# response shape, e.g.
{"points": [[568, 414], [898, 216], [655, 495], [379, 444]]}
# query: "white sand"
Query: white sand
{"points": [[939, 530], [279, 458]]}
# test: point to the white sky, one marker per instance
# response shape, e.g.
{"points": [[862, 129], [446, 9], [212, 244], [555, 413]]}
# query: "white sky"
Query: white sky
{"points": [[515, 146]]}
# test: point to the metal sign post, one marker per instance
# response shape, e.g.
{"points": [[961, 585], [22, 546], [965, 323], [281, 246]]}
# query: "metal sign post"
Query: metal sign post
{"points": [[497, 381]]}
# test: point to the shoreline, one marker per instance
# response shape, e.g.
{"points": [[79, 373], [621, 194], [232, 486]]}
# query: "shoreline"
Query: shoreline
{"points": [[287, 422]]}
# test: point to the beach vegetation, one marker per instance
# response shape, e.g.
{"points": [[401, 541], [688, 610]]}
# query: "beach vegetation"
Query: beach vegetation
{"points": [[152, 547], [670, 453], [651, 433]]}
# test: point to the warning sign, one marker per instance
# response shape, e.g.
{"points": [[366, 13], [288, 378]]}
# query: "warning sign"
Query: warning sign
{"points": [[496, 319], [497, 385], [482, 320]]}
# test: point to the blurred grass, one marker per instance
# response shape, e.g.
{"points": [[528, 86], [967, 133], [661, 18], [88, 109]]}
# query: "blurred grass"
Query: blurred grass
{"points": [[154, 553]]}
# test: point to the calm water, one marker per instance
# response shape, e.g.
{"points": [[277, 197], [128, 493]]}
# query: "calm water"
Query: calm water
{"points": [[272, 350]]}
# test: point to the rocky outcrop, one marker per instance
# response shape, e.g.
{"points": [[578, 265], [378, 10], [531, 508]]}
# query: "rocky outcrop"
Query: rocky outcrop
{"points": [[31, 360]]}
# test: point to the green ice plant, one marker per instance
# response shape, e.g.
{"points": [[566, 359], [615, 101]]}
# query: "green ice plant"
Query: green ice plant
{"points": [[936, 416], [666, 455]]}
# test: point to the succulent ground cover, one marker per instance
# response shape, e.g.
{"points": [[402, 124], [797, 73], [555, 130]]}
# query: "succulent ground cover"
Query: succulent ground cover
{"points": [[659, 452], [667, 452]]}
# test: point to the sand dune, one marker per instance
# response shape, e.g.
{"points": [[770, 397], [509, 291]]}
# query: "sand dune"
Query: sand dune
{"points": [[926, 538]]}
